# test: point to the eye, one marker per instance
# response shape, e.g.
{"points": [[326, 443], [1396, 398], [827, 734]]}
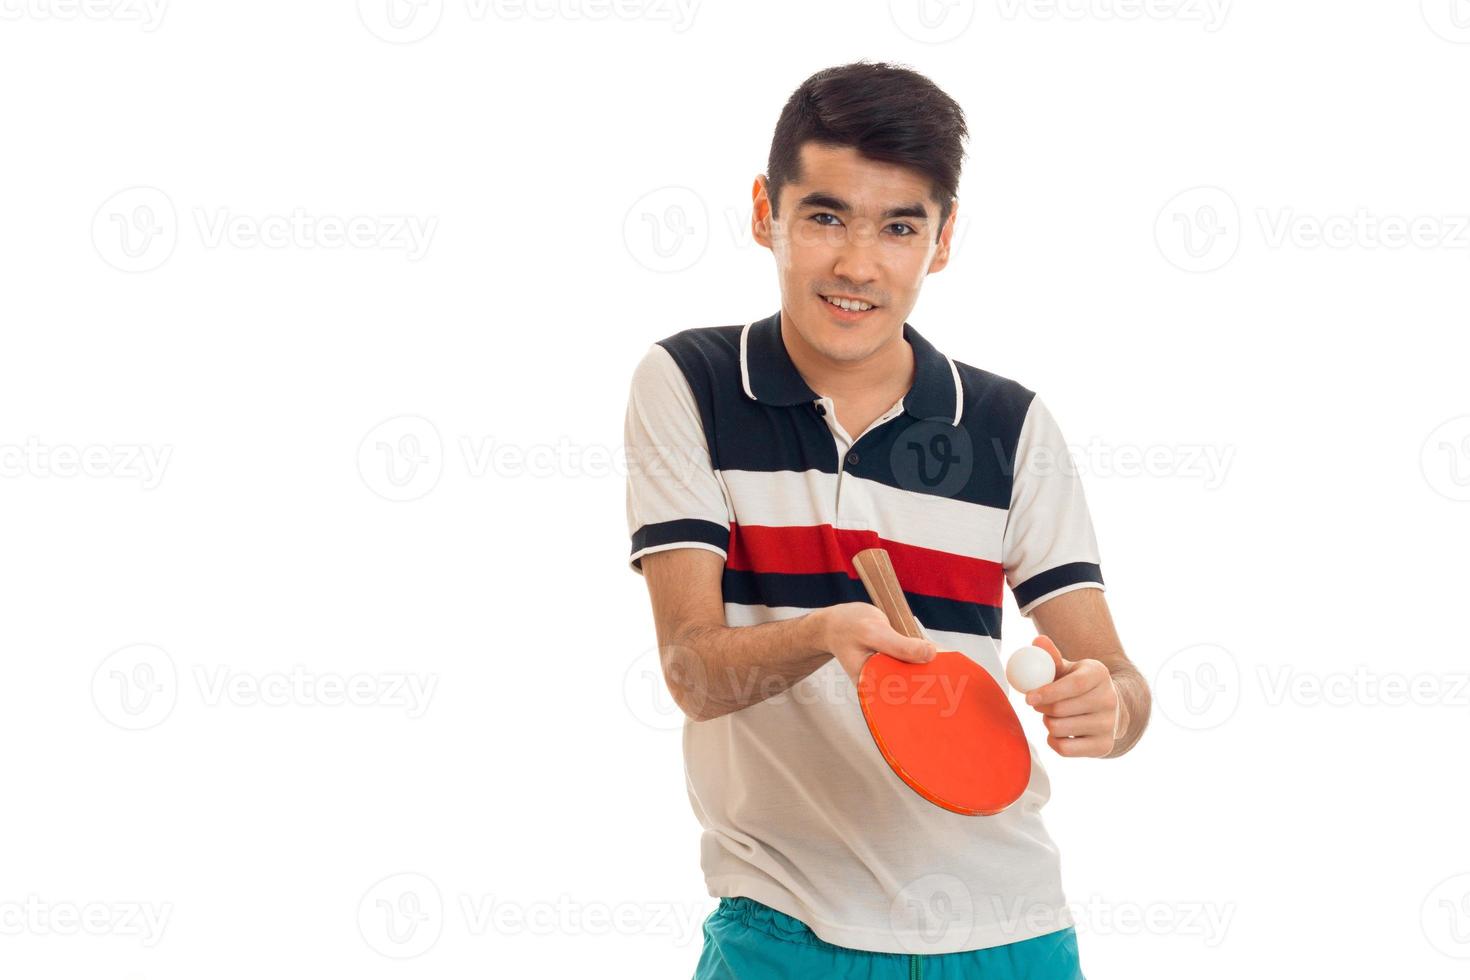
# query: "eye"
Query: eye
{"points": [[823, 214], [909, 227]]}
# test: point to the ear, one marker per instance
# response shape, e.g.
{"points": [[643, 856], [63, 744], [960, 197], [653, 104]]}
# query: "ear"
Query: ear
{"points": [[760, 213], [946, 237]]}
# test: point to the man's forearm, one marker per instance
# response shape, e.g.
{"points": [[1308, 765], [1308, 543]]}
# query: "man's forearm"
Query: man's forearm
{"points": [[1135, 704], [715, 670]]}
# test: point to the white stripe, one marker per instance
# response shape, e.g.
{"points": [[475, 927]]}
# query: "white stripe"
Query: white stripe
{"points": [[959, 391], [744, 368], [789, 498]]}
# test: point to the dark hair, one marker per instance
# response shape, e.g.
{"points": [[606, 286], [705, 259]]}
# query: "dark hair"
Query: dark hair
{"points": [[885, 112]]}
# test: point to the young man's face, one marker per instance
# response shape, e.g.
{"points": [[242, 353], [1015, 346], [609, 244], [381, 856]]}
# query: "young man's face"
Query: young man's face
{"points": [[853, 228]]}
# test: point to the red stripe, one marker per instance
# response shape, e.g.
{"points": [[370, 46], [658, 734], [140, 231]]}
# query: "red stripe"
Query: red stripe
{"points": [[823, 549]]}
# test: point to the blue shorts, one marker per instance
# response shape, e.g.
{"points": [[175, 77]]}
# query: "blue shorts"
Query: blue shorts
{"points": [[745, 940]]}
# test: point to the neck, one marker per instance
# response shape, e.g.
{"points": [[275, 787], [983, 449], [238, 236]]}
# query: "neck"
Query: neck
{"points": [[889, 368]]}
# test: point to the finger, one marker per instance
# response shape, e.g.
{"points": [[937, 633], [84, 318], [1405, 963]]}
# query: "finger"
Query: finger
{"points": [[1072, 707], [1091, 745], [1092, 723], [910, 649], [1073, 685], [1061, 663]]}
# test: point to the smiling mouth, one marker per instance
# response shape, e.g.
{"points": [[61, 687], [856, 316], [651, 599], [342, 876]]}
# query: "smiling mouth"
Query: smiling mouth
{"points": [[849, 305]]}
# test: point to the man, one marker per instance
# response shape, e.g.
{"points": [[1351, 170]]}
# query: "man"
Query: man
{"points": [[763, 456]]}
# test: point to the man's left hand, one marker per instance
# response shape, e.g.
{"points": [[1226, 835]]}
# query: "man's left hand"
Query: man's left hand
{"points": [[1080, 707]]}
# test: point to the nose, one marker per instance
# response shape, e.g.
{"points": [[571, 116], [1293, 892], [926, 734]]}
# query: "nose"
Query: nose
{"points": [[855, 262]]}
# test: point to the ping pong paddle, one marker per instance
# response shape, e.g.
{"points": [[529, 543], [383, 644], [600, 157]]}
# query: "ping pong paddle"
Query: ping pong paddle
{"points": [[945, 727]]}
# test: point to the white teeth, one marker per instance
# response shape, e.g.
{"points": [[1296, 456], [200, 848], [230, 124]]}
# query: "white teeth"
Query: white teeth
{"points": [[849, 304]]}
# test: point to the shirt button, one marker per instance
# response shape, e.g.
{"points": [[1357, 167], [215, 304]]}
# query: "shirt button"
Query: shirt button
{"points": [[852, 459], [821, 409]]}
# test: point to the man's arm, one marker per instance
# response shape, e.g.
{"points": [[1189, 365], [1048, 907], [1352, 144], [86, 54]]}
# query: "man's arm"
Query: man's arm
{"points": [[1081, 626], [712, 669]]}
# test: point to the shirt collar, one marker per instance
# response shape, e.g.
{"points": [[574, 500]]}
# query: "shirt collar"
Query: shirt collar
{"points": [[768, 375]]}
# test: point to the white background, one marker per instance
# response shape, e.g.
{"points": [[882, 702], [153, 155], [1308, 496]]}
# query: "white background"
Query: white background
{"points": [[394, 460]]}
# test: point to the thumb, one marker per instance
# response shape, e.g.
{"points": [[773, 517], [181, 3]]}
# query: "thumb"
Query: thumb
{"points": [[918, 651], [1063, 665]]}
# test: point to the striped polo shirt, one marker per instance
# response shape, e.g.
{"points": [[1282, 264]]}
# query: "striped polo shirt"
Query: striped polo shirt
{"points": [[966, 481]]}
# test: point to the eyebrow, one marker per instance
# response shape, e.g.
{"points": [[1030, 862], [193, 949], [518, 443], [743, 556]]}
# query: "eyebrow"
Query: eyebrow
{"points": [[829, 202]]}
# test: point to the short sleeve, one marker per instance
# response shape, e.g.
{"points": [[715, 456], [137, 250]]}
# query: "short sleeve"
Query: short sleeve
{"points": [[1050, 547], [675, 499]]}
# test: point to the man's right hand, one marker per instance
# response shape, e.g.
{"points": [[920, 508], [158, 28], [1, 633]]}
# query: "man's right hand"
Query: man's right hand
{"points": [[853, 631]]}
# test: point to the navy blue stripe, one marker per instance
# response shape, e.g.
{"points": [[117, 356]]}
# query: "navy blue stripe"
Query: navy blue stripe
{"points": [[676, 532], [974, 462], [1055, 578], [815, 591]]}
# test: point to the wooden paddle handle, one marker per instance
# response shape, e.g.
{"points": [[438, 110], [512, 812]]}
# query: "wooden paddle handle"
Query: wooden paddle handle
{"points": [[875, 568]]}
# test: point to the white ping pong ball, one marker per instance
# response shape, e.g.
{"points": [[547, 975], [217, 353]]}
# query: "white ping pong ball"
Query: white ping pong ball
{"points": [[1030, 668]]}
